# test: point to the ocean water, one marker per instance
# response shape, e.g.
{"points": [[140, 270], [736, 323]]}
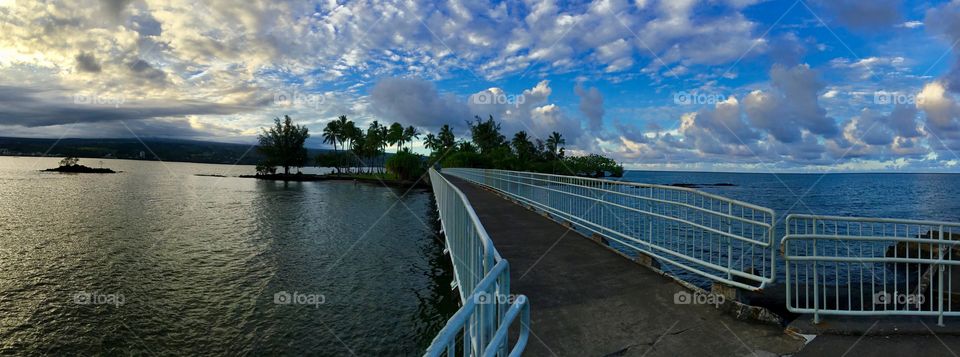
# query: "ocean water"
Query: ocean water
{"points": [[159, 261], [880, 195], [909, 196]]}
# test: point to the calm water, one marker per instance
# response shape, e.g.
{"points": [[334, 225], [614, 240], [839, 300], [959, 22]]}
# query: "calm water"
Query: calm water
{"points": [[913, 196], [158, 261], [909, 196]]}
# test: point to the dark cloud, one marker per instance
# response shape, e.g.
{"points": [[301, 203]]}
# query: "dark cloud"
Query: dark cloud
{"points": [[591, 105], [720, 130], [145, 70], [87, 62], [416, 102], [792, 106], [147, 25], [787, 50], [114, 7], [903, 121], [864, 15], [32, 108]]}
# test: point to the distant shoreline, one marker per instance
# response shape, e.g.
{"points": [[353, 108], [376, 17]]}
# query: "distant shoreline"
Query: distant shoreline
{"points": [[625, 171]]}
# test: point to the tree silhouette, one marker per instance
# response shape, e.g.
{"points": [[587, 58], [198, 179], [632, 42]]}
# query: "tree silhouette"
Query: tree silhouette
{"points": [[395, 135], [331, 135], [409, 134], [283, 143], [554, 143], [522, 146], [486, 134], [69, 161]]}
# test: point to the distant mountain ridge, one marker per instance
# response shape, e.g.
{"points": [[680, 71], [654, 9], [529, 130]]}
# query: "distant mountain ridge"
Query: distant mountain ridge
{"points": [[132, 149]]}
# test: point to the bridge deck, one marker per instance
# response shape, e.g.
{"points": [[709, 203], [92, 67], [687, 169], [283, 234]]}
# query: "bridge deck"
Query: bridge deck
{"points": [[588, 301]]}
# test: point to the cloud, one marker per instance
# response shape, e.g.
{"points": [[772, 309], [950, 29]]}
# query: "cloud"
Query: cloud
{"points": [[911, 24], [791, 107], [416, 102], [944, 21], [87, 62], [940, 108], [864, 14], [591, 105], [32, 108]]}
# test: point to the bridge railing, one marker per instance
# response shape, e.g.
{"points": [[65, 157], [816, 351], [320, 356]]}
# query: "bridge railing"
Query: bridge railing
{"points": [[714, 237], [483, 278], [870, 266]]}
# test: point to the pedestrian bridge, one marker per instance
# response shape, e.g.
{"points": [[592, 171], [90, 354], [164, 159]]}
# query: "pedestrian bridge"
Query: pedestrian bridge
{"points": [[530, 285]]}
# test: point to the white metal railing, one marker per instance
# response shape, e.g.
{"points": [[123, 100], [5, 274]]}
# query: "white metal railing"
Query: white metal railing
{"points": [[711, 236], [483, 279], [870, 266]]}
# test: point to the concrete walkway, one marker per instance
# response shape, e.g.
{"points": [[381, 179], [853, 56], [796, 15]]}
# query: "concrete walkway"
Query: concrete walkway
{"points": [[588, 301]]}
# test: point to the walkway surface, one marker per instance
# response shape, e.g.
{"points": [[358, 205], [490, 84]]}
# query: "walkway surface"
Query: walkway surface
{"points": [[589, 301]]}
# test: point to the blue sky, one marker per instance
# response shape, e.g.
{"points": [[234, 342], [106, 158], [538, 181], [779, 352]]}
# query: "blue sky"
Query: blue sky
{"points": [[743, 85]]}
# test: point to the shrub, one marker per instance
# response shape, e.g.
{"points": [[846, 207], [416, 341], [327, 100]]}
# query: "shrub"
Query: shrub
{"points": [[405, 165], [464, 159]]}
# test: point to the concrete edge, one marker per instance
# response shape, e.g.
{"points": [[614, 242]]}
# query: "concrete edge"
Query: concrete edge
{"points": [[871, 326], [737, 309]]}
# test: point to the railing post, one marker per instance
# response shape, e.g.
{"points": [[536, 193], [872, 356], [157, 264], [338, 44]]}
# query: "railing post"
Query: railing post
{"points": [[940, 268], [729, 242], [816, 284]]}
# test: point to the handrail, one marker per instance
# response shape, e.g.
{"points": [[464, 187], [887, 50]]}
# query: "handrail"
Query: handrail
{"points": [[483, 279], [858, 266], [708, 235]]}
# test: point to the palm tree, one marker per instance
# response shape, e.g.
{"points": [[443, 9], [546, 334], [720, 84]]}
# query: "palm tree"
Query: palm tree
{"points": [[522, 146], [355, 134], [554, 141], [409, 134], [376, 140], [342, 124], [346, 131], [446, 138], [358, 144], [395, 135], [331, 135], [431, 142]]}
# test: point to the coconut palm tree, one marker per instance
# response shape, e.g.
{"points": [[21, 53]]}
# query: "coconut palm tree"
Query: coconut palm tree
{"points": [[522, 146], [409, 134], [331, 135], [430, 142], [554, 142], [446, 138], [395, 135]]}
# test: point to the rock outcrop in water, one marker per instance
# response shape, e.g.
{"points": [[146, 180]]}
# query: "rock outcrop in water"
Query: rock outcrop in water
{"points": [[70, 165]]}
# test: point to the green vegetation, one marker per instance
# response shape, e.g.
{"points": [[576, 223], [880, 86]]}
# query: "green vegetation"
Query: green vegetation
{"points": [[359, 153], [406, 165], [69, 161], [489, 148], [283, 145]]}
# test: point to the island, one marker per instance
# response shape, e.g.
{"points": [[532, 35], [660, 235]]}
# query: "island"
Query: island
{"points": [[71, 164]]}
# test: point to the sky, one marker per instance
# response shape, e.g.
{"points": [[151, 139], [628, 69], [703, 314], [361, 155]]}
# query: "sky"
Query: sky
{"points": [[725, 85]]}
